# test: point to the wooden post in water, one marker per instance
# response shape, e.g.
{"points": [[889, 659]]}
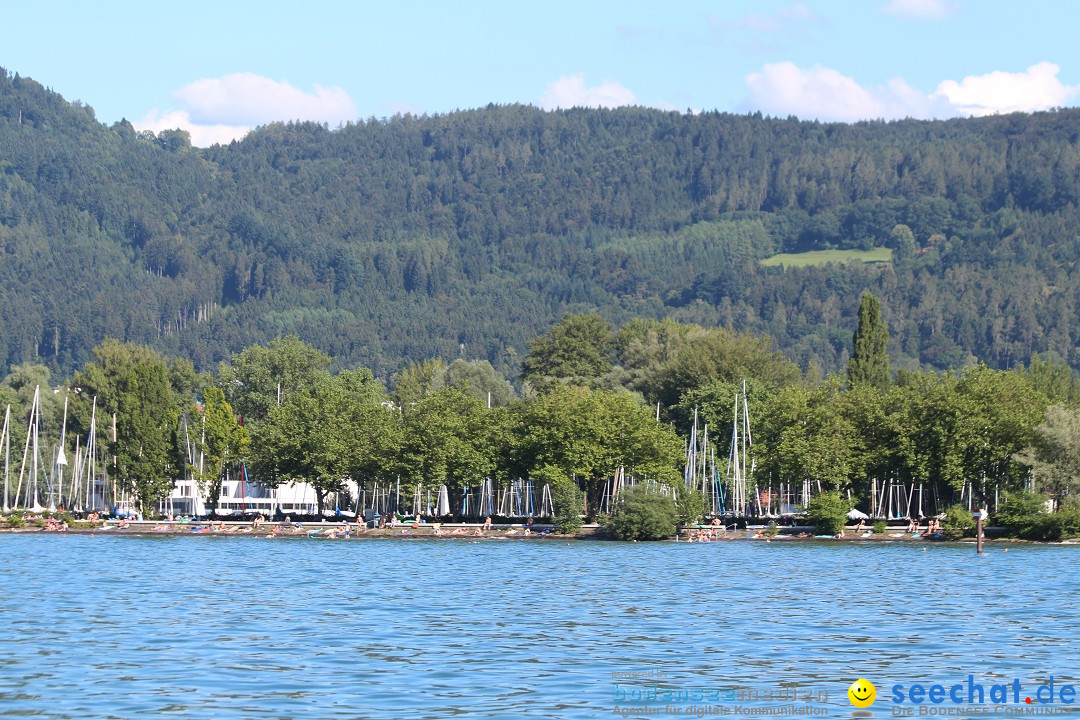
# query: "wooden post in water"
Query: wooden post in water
{"points": [[978, 516]]}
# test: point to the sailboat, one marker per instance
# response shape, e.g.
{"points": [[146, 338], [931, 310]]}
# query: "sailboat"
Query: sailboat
{"points": [[56, 488], [443, 507], [30, 500], [741, 442], [487, 498], [547, 505], [88, 464], [5, 443]]}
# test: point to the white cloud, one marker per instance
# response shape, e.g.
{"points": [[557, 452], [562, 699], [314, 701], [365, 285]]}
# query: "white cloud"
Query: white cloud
{"points": [[570, 91], [822, 93], [1001, 92], [785, 89], [919, 9], [226, 108], [250, 99], [201, 135]]}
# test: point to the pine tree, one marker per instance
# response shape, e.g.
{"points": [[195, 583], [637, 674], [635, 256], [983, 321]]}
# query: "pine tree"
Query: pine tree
{"points": [[869, 363]]}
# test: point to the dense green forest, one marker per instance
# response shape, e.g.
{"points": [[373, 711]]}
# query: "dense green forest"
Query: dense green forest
{"points": [[464, 235]]}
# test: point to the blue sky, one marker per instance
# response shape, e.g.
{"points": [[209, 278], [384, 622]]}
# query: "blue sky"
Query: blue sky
{"points": [[220, 68]]}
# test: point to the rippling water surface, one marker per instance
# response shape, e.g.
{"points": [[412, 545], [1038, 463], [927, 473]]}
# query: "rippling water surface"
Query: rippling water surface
{"points": [[209, 627]]}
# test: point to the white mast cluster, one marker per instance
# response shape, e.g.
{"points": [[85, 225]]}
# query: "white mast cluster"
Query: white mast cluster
{"points": [[701, 465], [77, 492]]}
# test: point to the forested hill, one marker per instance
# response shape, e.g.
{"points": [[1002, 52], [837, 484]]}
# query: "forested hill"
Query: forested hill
{"points": [[471, 232]]}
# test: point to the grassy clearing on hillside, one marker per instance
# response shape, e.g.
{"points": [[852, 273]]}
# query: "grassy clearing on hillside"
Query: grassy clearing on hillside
{"points": [[820, 257]]}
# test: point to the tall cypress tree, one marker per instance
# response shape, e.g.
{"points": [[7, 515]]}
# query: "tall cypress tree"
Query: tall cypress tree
{"points": [[869, 364]]}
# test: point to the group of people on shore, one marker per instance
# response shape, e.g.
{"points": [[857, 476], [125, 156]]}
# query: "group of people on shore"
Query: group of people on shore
{"points": [[914, 526], [55, 525], [716, 530], [705, 534]]}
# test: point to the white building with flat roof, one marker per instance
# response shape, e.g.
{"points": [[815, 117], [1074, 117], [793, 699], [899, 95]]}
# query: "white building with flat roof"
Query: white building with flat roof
{"points": [[245, 497]]}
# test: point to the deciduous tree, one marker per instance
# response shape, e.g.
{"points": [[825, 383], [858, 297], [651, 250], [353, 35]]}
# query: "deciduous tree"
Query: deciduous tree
{"points": [[131, 384]]}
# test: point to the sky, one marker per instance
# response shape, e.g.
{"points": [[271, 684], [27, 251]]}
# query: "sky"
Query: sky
{"points": [[218, 69]]}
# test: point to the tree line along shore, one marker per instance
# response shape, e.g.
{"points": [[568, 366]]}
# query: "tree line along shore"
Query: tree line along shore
{"points": [[593, 403]]}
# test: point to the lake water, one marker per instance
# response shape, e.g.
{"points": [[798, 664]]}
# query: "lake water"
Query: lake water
{"points": [[239, 627]]}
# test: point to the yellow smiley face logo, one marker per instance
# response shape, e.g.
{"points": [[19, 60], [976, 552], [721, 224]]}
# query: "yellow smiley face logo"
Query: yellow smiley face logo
{"points": [[862, 693]]}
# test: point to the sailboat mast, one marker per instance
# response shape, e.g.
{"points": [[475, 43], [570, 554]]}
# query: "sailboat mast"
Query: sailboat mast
{"points": [[34, 481], [746, 431], [91, 447], [26, 447], [61, 460], [115, 501], [7, 453], [704, 458], [76, 475], [737, 485], [691, 456]]}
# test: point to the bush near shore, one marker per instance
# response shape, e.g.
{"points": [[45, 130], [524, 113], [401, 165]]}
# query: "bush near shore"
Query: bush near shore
{"points": [[642, 514]]}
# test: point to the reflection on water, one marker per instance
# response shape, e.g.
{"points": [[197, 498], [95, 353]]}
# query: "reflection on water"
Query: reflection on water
{"points": [[117, 627]]}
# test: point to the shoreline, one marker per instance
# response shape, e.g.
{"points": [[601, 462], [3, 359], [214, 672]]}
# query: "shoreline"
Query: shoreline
{"points": [[306, 530], [474, 532]]}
